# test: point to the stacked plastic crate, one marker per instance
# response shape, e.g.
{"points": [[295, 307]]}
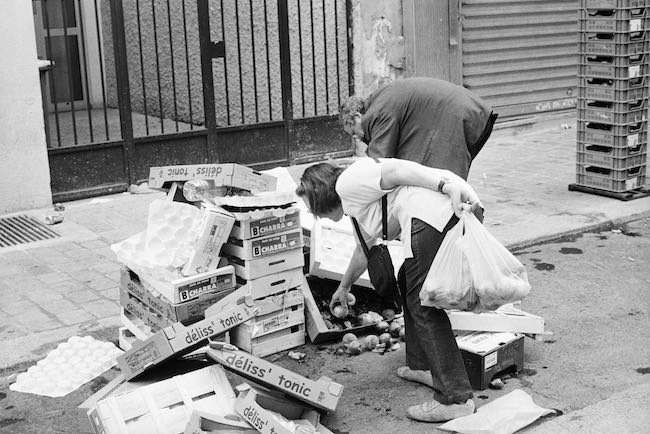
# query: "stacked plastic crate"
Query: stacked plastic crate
{"points": [[613, 97]]}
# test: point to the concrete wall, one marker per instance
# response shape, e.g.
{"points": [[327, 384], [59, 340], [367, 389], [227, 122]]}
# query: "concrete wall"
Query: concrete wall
{"points": [[24, 168], [378, 43]]}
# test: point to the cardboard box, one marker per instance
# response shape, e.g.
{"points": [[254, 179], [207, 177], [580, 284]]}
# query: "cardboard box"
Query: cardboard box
{"points": [[189, 288], [486, 354], [263, 420], [264, 246], [323, 394], [135, 307], [332, 245], [507, 318], [269, 224], [186, 312], [202, 422], [214, 232], [249, 269], [273, 283], [228, 174], [178, 339], [290, 336], [165, 406]]}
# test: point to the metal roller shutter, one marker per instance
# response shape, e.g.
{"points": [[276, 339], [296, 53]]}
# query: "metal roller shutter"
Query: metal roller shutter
{"points": [[520, 55]]}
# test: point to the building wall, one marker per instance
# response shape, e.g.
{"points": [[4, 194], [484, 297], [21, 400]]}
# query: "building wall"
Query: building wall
{"points": [[378, 43], [25, 179]]}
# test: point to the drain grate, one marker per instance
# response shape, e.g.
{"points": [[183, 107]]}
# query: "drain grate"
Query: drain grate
{"points": [[23, 229]]}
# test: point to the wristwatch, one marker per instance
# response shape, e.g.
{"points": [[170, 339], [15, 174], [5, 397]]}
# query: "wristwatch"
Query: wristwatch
{"points": [[442, 183]]}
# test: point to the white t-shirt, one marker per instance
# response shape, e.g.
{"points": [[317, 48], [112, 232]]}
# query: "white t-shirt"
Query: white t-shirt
{"points": [[359, 189]]}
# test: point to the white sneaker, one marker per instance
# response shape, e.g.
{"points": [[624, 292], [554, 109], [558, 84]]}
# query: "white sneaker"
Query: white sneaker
{"points": [[433, 411]]}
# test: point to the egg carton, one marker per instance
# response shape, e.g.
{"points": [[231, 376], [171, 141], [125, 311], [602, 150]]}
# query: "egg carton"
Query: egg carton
{"points": [[67, 367], [167, 242]]}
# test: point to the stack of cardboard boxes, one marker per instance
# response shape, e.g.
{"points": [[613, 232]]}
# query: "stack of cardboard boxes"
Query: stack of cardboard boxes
{"points": [[265, 248]]}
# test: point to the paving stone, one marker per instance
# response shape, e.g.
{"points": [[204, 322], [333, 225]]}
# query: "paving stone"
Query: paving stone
{"points": [[107, 267], [84, 275], [101, 283], [94, 244], [76, 316], [54, 277], [102, 308], [83, 296], [59, 306], [111, 293], [67, 286], [18, 307], [43, 296], [39, 269], [9, 330], [11, 269]]}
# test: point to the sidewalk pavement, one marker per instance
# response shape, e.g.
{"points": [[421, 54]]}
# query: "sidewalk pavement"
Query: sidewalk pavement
{"points": [[55, 289]]}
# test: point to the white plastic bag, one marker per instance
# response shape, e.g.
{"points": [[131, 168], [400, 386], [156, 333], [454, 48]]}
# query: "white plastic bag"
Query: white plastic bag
{"points": [[448, 284], [498, 276], [504, 415]]}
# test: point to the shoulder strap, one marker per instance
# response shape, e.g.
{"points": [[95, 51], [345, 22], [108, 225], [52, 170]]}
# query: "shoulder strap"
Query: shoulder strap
{"points": [[361, 240], [384, 213]]}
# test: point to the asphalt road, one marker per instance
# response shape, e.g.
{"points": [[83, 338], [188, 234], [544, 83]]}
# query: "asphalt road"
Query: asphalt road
{"points": [[591, 289]]}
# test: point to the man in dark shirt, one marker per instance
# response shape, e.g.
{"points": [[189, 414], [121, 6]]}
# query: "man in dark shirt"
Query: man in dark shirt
{"points": [[430, 121]]}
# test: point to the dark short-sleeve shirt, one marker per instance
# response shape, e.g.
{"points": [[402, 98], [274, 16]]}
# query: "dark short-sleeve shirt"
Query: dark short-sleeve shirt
{"points": [[426, 120]]}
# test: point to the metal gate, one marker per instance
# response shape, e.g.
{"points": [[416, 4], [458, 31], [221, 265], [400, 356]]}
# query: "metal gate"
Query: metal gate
{"points": [[144, 83]]}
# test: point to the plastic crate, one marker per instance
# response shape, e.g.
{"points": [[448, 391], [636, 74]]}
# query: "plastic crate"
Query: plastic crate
{"points": [[615, 44], [611, 71], [613, 20], [604, 89], [617, 136], [612, 151], [609, 112], [611, 4], [607, 160], [610, 179]]}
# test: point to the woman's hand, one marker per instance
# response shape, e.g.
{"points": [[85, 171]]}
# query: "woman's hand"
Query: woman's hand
{"points": [[340, 297], [463, 199]]}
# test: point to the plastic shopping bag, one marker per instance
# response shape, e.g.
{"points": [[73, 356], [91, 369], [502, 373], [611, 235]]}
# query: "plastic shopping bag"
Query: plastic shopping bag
{"points": [[498, 276], [448, 284]]}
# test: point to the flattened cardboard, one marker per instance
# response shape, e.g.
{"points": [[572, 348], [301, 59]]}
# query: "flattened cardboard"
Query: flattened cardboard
{"points": [[264, 246], [261, 419], [270, 224], [214, 232], [186, 312], [323, 393], [228, 174], [178, 339]]}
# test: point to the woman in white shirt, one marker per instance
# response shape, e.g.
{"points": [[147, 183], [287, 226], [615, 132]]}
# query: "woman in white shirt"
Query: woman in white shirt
{"points": [[422, 202]]}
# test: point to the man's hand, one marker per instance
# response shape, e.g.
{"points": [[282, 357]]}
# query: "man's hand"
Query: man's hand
{"points": [[463, 199], [340, 297]]}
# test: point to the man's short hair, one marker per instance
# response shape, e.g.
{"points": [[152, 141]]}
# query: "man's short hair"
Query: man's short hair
{"points": [[349, 110], [317, 186]]}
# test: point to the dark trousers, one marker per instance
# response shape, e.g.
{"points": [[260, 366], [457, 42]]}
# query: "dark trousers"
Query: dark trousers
{"points": [[430, 341]]}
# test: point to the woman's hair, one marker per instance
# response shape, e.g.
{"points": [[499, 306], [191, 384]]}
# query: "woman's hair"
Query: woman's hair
{"points": [[349, 110], [317, 186]]}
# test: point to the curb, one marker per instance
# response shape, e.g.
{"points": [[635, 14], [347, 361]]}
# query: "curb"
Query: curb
{"points": [[595, 227]]}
